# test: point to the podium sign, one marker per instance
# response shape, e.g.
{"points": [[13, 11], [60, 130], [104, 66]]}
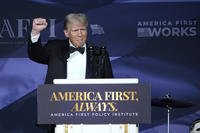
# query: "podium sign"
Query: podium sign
{"points": [[94, 103]]}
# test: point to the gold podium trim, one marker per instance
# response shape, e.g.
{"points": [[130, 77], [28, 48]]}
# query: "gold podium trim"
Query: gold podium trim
{"points": [[125, 128], [66, 128]]}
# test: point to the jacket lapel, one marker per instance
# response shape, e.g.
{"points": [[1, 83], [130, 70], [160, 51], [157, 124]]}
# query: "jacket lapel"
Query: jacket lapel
{"points": [[89, 59], [65, 50]]}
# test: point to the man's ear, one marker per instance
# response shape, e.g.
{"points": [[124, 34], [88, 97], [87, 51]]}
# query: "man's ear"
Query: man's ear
{"points": [[66, 33]]}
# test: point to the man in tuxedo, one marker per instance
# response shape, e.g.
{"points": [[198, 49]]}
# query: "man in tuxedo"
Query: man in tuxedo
{"points": [[72, 58]]}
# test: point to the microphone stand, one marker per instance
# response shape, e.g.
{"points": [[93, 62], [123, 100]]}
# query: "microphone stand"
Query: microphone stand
{"points": [[168, 97], [168, 118]]}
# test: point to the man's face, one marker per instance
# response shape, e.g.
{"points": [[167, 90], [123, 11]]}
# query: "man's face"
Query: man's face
{"points": [[77, 33]]}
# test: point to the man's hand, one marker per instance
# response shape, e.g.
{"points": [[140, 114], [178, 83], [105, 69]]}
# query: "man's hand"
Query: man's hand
{"points": [[38, 25]]}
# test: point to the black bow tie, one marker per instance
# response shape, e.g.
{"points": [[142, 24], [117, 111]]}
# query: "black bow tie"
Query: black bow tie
{"points": [[79, 49]]}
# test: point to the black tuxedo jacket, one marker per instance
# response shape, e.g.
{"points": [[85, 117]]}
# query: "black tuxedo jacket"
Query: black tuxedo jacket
{"points": [[55, 54]]}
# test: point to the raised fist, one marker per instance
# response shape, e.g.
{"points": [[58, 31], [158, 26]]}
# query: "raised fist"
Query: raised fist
{"points": [[38, 25]]}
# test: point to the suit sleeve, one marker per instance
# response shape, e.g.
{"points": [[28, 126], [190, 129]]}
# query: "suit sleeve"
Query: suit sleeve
{"points": [[37, 52], [108, 73]]}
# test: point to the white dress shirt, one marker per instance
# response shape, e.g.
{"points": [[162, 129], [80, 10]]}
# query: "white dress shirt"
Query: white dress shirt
{"points": [[76, 64], [34, 38]]}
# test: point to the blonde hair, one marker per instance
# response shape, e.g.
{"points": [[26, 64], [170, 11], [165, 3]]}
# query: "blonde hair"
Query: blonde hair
{"points": [[75, 17]]}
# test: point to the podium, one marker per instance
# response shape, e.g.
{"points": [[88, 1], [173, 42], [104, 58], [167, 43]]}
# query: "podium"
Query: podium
{"points": [[95, 105]]}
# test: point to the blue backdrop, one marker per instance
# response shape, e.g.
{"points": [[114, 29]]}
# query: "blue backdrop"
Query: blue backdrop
{"points": [[155, 41]]}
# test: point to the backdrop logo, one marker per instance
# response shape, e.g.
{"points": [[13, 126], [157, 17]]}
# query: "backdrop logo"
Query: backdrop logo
{"points": [[18, 28], [97, 29], [12, 30], [167, 28]]}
